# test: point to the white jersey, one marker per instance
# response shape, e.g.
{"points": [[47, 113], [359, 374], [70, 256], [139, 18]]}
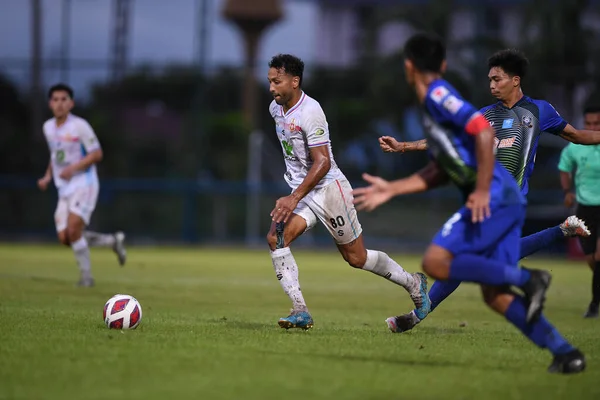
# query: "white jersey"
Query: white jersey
{"points": [[302, 127], [68, 144]]}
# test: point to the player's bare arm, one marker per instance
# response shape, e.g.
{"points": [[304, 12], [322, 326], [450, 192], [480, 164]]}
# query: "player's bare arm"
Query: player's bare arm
{"points": [[580, 136], [285, 206], [45, 180], [92, 158], [381, 191], [390, 145], [566, 182], [479, 201]]}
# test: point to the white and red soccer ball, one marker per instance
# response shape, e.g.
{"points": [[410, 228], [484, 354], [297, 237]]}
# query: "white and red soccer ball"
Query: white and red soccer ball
{"points": [[122, 311]]}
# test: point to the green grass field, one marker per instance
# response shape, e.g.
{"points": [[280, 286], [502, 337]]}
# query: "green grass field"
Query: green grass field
{"points": [[209, 331]]}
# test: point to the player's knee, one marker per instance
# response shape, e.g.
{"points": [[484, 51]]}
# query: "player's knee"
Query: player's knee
{"points": [[73, 234], [355, 260], [434, 267], [436, 263], [63, 238]]}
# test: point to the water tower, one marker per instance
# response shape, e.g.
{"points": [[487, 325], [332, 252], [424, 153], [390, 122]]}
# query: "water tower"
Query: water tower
{"points": [[252, 18]]}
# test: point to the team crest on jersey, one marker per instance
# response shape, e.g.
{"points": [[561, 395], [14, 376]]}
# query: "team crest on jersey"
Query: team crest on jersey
{"points": [[292, 126], [527, 121]]}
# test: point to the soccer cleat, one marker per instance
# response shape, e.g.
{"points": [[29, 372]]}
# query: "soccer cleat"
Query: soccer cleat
{"points": [[420, 297], [574, 226], [86, 282], [297, 319], [535, 293], [569, 363], [402, 323], [119, 247], [592, 311]]}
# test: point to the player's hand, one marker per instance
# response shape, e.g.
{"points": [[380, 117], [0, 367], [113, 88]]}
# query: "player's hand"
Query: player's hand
{"points": [[479, 204], [284, 207], [370, 197], [569, 200], [67, 173], [390, 145], [44, 182]]}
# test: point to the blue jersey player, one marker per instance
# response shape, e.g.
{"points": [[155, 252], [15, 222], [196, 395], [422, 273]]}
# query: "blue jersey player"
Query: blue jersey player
{"points": [[519, 121], [480, 243]]}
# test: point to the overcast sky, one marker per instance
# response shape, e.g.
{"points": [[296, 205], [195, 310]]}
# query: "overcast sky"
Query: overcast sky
{"points": [[161, 31]]}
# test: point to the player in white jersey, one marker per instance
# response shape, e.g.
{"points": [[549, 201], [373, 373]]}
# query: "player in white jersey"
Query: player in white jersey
{"points": [[74, 152], [320, 192]]}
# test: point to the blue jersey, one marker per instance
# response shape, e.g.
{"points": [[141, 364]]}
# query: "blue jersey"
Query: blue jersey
{"points": [[518, 130], [446, 118]]}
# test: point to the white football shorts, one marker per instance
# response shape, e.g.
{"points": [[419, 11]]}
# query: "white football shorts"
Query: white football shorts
{"points": [[81, 202], [333, 205]]}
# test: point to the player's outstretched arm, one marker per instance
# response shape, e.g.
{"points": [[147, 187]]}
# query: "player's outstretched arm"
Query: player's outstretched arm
{"points": [[285, 206], [381, 191], [580, 136], [390, 145]]}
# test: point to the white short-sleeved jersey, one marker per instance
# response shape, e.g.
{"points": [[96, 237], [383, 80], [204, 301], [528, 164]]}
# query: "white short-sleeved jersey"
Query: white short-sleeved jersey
{"points": [[302, 127], [68, 144]]}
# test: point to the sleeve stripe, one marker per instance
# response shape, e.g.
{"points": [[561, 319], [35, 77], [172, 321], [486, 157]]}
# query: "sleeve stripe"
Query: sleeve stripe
{"points": [[476, 124], [318, 144]]}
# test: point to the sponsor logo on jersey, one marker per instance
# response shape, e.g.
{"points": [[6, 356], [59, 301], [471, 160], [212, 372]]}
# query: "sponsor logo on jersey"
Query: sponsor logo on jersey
{"points": [[507, 123], [69, 138], [319, 132], [438, 94], [289, 150], [506, 142]]}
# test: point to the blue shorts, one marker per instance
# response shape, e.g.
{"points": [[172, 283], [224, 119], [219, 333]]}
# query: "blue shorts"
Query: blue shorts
{"points": [[498, 237]]}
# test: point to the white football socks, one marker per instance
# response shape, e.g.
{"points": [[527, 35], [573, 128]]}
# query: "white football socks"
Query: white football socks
{"points": [[381, 264], [82, 255], [287, 274], [96, 239]]}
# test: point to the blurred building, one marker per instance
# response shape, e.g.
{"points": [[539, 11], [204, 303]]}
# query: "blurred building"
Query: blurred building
{"points": [[345, 25], [342, 25]]}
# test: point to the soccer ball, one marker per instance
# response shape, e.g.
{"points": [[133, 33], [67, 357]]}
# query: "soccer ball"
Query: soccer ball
{"points": [[122, 311]]}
